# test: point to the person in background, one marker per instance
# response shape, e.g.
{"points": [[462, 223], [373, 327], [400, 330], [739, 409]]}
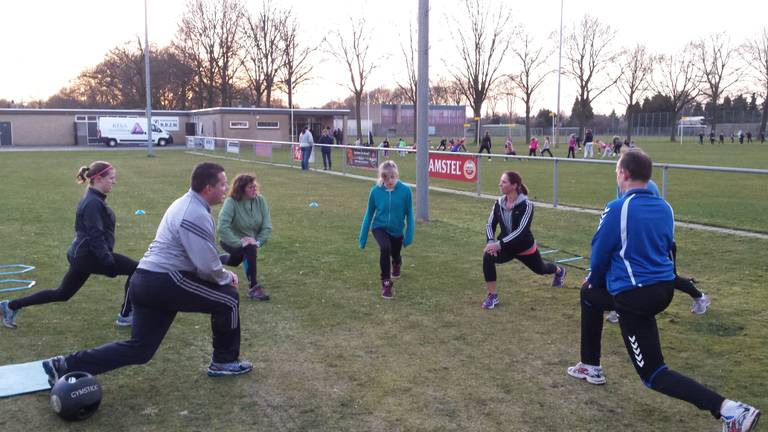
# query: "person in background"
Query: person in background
{"points": [[509, 147], [389, 216], [545, 148], [443, 145], [327, 141], [722, 138], [701, 137], [401, 144], [532, 146], [306, 141], [244, 227], [631, 270], [588, 138], [572, 146], [485, 144], [712, 137], [91, 252]]}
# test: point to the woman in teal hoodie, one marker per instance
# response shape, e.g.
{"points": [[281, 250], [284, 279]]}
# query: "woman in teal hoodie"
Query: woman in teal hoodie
{"points": [[390, 216], [244, 226]]}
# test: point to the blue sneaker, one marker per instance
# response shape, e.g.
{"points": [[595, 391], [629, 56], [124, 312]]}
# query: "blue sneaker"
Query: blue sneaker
{"points": [[233, 368], [54, 367], [559, 280], [122, 321], [9, 316], [491, 301]]}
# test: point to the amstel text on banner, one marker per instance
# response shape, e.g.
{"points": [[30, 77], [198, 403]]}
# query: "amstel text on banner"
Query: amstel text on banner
{"points": [[453, 166]]}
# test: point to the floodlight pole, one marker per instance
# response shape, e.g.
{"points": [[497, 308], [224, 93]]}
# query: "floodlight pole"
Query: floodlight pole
{"points": [[559, 72], [150, 153], [422, 107]]}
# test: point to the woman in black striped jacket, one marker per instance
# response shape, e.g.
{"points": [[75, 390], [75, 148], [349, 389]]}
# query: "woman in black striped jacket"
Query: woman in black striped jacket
{"points": [[513, 213]]}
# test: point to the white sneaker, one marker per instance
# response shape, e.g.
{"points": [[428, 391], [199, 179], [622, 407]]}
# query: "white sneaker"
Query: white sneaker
{"points": [[593, 374], [700, 304], [613, 317], [738, 417]]}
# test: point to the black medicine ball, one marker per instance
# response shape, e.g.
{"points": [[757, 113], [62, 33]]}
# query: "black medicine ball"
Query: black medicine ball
{"points": [[76, 396]]}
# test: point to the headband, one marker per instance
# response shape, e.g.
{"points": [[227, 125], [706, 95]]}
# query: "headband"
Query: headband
{"points": [[107, 168]]}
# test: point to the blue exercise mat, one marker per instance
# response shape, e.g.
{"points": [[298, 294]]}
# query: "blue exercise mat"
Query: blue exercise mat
{"points": [[23, 378]]}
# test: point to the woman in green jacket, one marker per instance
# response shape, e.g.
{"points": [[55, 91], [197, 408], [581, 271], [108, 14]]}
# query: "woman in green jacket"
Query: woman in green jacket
{"points": [[244, 226]]}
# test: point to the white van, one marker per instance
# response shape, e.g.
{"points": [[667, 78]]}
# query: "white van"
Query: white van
{"points": [[119, 130]]}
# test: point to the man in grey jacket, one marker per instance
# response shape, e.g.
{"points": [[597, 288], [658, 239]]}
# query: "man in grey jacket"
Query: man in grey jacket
{"points": [[180, 272], [306, 141]]}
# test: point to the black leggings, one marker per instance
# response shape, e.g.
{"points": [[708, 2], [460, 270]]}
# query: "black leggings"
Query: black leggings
{"points": [[238, 254], [637, 310], [532, 261], [571, 153], [486, 148], [390, 247], [547, 150], [531, 152], [80, 269]]}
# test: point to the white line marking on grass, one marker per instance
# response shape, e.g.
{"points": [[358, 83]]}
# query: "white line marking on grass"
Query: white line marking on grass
{"points": [[694, 226]]}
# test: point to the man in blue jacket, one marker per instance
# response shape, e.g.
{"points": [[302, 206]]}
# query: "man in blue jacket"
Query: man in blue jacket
{"points": [[631, 271]]}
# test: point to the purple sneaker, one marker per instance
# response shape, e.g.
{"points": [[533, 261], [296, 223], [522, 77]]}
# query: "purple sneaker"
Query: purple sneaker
{"points": [[386, 289], [395, 271], [559, 279], [257, 293], [491, 301]]}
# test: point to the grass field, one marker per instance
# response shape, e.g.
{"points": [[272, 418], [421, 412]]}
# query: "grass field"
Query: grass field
{"points": [[331, 355], [714, 198]]}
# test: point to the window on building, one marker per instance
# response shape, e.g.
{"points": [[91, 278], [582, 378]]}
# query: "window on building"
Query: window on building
{"points": [[268, 125], [238, 124]]}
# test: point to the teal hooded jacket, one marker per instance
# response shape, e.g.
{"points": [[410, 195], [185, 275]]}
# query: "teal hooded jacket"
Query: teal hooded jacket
{"points": [[391, 210]]}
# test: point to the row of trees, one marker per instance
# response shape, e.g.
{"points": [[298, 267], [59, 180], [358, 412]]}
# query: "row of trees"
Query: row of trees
{"points": [[222, 54]]}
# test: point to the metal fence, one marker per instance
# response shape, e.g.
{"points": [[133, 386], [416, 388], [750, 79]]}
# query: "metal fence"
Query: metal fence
{"points": [[714, 195]]}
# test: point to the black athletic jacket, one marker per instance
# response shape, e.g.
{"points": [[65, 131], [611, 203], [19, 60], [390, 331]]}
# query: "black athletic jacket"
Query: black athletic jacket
{"points": [[518, 238], [94, 229]]}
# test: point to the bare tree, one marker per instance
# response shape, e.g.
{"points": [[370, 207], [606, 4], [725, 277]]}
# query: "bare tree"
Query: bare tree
{"points": [[198, 42], [228, 30], [677, 77], [297, 63], [634, 82], [755, 53], [264, 54], [353, 51], [532, 61], [590, 60], [481, 47], [716, 59]]}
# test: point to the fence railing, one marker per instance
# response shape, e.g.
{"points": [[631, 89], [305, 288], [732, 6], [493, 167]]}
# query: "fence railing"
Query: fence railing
{"points": [[716, 195]]}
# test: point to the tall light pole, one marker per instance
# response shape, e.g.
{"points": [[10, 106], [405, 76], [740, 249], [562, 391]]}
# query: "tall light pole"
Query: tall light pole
{"points": [[150, 152], [559, 72], [422, 110]]}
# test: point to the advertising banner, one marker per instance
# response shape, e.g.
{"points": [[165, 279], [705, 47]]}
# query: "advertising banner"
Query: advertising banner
{"points": [[453, 167], [233, 146], [367, 158], [190, 142], [297, 153], [166, 123], [209, 144], [262, 150]]}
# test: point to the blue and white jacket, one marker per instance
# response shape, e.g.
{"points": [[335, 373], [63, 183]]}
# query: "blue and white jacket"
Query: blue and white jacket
{"points": [[631, 246]]}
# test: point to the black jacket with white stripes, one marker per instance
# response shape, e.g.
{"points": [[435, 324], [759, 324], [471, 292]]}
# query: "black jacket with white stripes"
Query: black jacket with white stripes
{"points": [[515, 224]]}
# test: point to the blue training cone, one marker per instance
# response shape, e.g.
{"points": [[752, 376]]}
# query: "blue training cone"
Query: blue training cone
{"points": [[139, 212], [313, 204]]}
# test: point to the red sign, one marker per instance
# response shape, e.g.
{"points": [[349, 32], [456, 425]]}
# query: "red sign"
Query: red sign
{"points": [[453, 166]]}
